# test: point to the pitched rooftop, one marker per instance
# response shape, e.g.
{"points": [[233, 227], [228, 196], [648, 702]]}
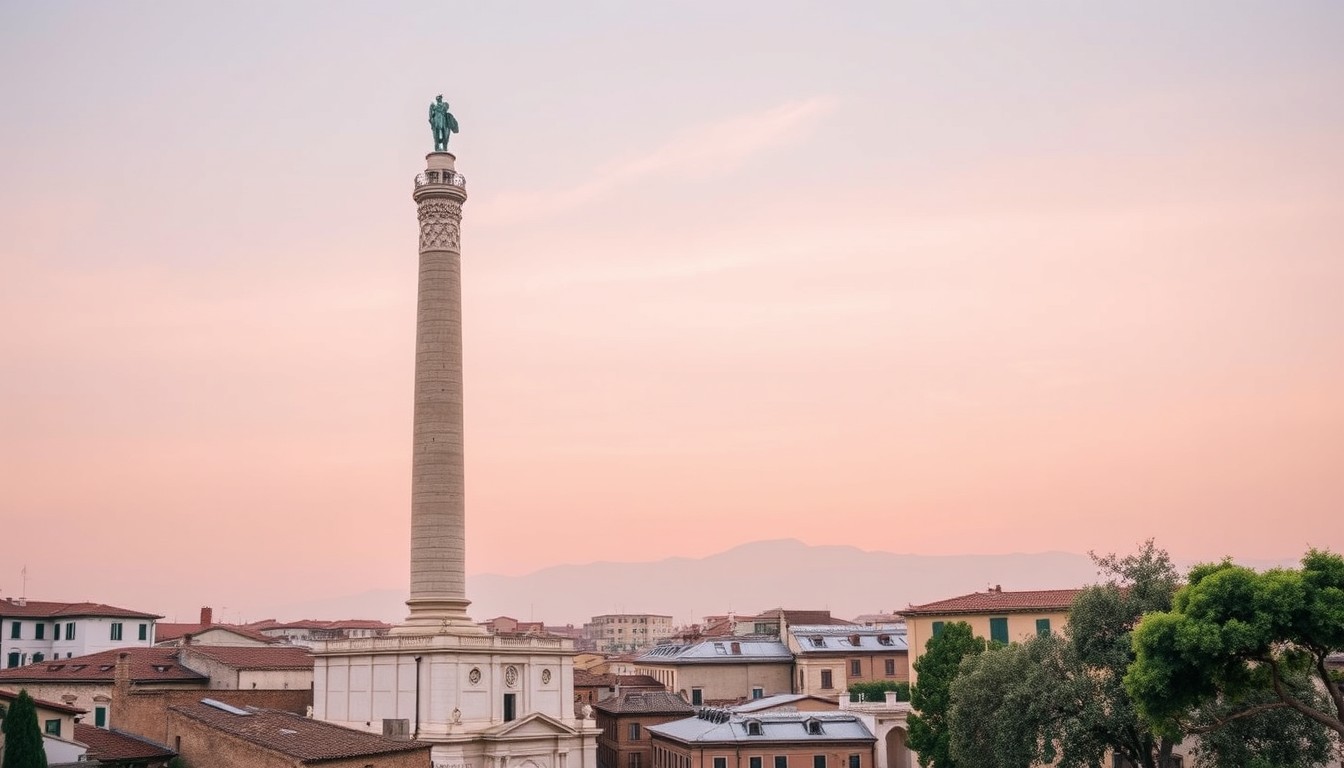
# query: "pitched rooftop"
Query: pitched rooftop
{"points": [[644, 702], [147, 665], [725, 650], [10, 696], [998, 601], [294, 735], [252, 656], [110, 745], [824, 638], [42, 609], [720, 726]]}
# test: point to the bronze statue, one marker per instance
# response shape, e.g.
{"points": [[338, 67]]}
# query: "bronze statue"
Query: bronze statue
{"points": [[442, 122]]}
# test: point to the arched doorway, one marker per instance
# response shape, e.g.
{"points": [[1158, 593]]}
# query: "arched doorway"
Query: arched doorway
{"points": [[898, 754]]}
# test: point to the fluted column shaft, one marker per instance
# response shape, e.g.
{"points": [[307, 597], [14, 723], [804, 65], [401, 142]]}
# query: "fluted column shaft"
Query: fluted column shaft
{"points": [[438, 599]]}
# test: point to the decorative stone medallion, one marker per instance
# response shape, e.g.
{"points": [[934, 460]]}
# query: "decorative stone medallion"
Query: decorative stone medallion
{"points": [[474, 676], [545, 677], [511, 676]]}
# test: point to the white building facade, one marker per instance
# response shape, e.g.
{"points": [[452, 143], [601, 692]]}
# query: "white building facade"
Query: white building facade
{"points": [[33, 631]]}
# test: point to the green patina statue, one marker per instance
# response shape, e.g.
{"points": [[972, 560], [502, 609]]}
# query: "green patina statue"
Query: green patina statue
{"points": [[442, 122]]}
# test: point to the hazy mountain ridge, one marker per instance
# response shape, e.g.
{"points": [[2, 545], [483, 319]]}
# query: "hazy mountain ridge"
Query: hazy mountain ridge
{"points": [[748, 578]]}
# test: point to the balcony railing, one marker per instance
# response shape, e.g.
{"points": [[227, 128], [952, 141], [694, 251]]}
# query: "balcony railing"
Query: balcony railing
{"points": [[451, 178]]}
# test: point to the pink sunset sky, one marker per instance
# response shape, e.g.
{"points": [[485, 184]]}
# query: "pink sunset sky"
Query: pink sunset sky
{"points": [[936, 278]]}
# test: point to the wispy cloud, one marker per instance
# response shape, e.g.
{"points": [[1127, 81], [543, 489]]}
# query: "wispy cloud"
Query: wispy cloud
{"points": [[703, 150]]}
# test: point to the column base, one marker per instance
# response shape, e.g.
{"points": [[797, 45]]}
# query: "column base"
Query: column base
{"points": [[438, 616]]}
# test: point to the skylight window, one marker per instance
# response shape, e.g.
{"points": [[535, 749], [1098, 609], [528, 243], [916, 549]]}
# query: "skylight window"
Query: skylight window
{"points": [[817, 641]]}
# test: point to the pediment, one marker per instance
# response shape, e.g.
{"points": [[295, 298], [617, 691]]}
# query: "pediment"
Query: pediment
{"points": [[534, 725]]}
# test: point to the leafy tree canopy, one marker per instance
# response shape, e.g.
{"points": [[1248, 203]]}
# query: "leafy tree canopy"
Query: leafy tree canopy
{"points": [[1252, 641], [876, 690]]}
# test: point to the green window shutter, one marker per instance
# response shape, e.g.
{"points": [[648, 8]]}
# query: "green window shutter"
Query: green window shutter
{"points": [[16, 630], [41, 630], [937, 628], [998, 629], [100, 717], [144, 631], [1042, 627]]}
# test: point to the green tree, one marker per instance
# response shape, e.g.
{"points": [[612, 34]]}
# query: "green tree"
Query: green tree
{"points": [[1244, 643], [1063, 701], [23, 737], [935, 670]]}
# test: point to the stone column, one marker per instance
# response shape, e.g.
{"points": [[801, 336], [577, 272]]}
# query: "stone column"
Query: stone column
{"points": [[438, 601]]}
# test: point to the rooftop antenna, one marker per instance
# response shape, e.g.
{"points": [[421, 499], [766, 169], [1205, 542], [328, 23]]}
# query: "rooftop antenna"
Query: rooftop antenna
{"points": [[24, 573]]}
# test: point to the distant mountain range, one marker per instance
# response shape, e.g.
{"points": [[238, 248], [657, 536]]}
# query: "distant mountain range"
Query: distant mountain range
{"points": [[746, 579]]}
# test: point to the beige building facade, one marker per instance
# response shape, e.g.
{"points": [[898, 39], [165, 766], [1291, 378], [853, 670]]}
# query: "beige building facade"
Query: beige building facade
{"points": [[996, 615]]}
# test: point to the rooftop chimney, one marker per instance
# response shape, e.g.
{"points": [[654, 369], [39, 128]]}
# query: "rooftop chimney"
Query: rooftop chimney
{"points": [[207, 616]]}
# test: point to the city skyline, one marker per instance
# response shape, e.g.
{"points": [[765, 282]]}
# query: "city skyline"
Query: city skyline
{"points": [[1021, 280]]}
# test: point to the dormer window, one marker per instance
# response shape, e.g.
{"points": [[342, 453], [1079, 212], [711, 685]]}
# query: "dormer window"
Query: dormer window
{"points": [[885, 640], [813, 727], [854, 640], [753, 728], [719, 649], [817, 641]]}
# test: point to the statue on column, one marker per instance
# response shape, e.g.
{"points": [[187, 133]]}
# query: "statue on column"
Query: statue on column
{"points": [[442, 122]]}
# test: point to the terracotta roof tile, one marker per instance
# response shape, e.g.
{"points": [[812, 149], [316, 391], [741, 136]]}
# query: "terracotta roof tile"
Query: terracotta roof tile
{"points": [[106, 744], [42, 609], [998, 602], [148, 665], [52, 705], [252, 656], [164, 633], [661, 702], [295, 735]]}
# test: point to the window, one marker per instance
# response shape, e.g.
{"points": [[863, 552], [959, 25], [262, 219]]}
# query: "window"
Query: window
{"points": [[70, 631], [817, 641], [781, 761], [998, 630], [855, 761], [890, 667], [52, 727], [38, 657], [15, 630], [757, 693], [634, 732], [754, 762], [855, 667], [697, 696], [826, 681], [720, 762], [937, 628], [100, 717], [510, 706], [40, 631], [633, 762], [56, 633], [753, 728], [144, 631], [885, 640], [116, 630], [814, 727], [818, 761], [1042, 627]]}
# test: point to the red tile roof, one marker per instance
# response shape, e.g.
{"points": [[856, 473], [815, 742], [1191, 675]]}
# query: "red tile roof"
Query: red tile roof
{"points": [[252, 656], [52, 705], [148, 665], [164, 633], [41, 609], [998, 602], [110, 745], [659, 702], [295, 735]]}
